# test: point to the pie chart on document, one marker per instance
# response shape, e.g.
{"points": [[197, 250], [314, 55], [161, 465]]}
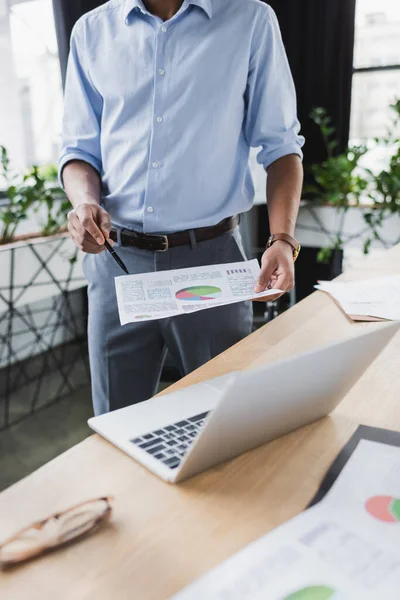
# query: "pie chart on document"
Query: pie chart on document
{"points": [[199, 293], [315, 592], [384, 508]]}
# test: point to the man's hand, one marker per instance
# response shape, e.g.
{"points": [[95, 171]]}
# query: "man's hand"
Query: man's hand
{"points": [[277, 270], [89, 225]]}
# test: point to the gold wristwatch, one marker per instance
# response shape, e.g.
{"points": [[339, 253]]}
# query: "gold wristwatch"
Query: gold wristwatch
{"points": [[289, 239]]}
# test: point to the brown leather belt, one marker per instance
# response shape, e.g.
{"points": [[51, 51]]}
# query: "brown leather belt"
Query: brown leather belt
{"points": [[161, 243]]}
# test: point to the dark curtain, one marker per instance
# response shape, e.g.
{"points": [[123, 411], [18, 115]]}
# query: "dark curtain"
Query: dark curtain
{"points": [[66, 14], [319, 39]]}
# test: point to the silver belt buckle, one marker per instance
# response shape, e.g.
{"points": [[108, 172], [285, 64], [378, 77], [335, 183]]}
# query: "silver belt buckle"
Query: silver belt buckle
{"points": [[165, 237]]}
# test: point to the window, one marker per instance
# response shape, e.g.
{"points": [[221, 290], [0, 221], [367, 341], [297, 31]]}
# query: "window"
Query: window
{"points": [[30, 82], [376, 80]]}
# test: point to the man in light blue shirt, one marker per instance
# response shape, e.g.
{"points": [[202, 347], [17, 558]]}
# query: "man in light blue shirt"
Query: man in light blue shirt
{"points": [[163, 101]]}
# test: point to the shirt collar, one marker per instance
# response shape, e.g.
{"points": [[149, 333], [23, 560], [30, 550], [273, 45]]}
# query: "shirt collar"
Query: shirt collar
{"points": [[206, 5]]}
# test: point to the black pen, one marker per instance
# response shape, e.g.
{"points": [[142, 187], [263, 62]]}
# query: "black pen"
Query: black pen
{"points": [[115, 256]]}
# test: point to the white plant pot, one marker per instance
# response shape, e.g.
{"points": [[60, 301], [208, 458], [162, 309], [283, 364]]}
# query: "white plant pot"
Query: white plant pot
{"points": [[35, 269], [318, 226], [33, 316]]}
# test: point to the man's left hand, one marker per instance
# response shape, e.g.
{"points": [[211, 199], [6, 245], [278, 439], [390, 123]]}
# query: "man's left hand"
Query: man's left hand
{"points": [[277, 270]]}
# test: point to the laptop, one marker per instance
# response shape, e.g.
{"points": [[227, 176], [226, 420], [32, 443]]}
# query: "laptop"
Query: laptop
{"points": [[183, 433]]}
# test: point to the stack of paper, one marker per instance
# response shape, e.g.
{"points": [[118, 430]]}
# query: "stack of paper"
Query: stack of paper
{"points": [[163, 294], [369, 299], [346, 547]]}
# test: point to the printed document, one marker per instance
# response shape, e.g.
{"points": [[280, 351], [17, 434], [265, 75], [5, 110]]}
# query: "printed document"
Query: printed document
{"points": [[377, 298], [162, 294], [346, 547]]}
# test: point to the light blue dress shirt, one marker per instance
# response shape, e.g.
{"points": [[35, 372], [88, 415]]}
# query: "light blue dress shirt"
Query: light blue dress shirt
{"points": [[167, 111]]}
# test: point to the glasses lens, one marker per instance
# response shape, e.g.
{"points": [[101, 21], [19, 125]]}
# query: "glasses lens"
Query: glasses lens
{"points": [[81, 519], [29, 542], [54, 531]]}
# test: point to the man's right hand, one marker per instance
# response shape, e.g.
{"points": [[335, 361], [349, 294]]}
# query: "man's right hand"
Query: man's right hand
{"points": [[89, 225]]}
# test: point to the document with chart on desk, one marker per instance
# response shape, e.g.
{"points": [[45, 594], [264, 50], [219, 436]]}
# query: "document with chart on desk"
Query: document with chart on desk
{"points": [[163, 294], [346, 547]]}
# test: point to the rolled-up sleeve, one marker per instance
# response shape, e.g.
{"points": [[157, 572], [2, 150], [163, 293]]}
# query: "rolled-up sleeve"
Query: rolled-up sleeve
{"points": [[271, 116], [82, 109]]}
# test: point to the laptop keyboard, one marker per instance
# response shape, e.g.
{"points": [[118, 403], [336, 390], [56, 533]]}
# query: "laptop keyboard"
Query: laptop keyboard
{"points": [[169, 444]]}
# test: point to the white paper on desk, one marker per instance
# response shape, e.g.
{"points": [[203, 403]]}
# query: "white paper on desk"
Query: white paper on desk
{"points": [[163, 294], [344, 548], [378, 297]]}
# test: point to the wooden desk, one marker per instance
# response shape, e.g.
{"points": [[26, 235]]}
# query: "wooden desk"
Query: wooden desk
{"points": [[162, 536]]}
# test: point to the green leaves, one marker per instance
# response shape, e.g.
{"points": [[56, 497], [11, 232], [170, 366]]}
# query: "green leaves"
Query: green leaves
{"points": [[385, 185], [4, 161], [340, 181], [337, 181], [367, 245], [324, 255], [321, 118], [34, 190]]}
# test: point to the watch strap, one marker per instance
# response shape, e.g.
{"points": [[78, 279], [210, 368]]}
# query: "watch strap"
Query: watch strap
{"points": [[285, 237]]}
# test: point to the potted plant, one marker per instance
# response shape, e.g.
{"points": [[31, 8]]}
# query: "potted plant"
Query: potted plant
{"points": [[384, 192], [38, 270], [347, 205], [34, 197]]}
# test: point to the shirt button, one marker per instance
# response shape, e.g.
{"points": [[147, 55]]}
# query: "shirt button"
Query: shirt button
{"points": [[155, 165], [159, 119], [149, 209], [161, 71], [163, 29]]}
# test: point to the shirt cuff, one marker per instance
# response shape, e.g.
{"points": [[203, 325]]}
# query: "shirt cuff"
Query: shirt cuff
{"points": [[76, 155], [266, 159]]}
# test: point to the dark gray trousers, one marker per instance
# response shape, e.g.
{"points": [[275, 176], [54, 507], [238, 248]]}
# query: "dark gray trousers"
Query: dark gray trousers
{"points": [[126, 362]]}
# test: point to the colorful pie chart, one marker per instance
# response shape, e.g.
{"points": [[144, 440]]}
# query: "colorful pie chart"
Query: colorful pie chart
{"points": [[315, 592], [384, 508], [199, 293]]}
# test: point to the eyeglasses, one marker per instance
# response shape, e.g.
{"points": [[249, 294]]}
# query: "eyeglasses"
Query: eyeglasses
{"points": [[54, 531]]}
